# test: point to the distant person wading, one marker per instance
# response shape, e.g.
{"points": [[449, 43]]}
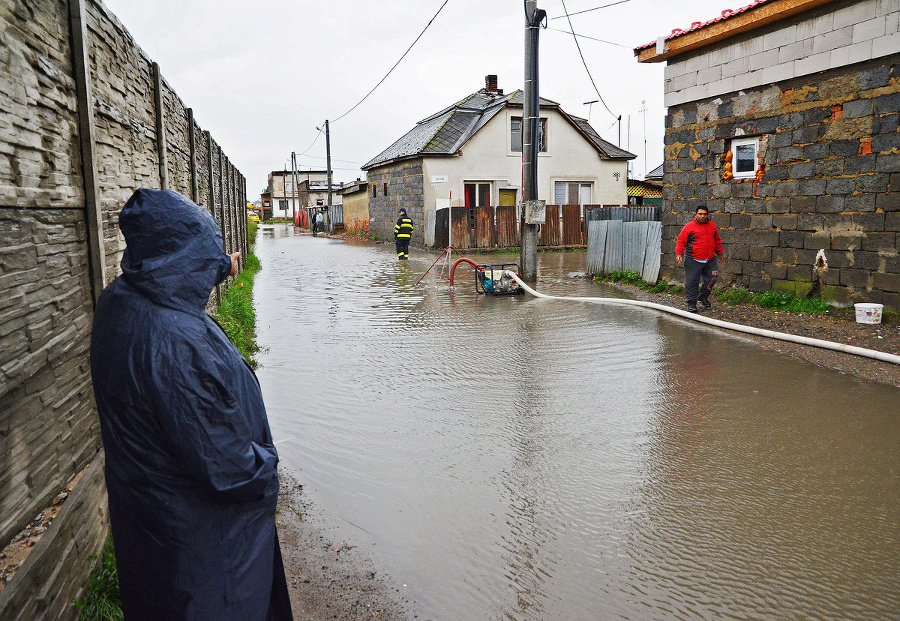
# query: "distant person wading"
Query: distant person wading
{"points": [[402, 234]]}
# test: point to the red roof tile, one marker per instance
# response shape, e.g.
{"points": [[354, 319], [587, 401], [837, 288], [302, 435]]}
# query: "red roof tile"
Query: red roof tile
{"points": [[725, 15]]}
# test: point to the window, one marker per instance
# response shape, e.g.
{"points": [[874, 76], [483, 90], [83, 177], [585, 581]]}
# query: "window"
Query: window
{"points": [[288, 186], [282, 205], [385, 190], [572, 193], [320, 202], [744, 156], [476, 195], [374, 190], [515, 134]]}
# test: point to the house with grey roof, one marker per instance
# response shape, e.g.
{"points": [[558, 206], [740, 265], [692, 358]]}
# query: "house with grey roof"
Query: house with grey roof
{"points": [[470, 155]]}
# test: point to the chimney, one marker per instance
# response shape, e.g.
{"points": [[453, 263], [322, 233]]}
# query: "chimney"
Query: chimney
{"points": [[490, 83]]}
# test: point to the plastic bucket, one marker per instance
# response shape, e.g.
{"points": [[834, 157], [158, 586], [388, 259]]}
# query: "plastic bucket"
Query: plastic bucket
{"points": [[868, 313]]}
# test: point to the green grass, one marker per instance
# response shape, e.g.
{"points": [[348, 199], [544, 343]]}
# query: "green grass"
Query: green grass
{"points": [[101, 601], [772, 300], [236, 313], [252, 227], [629, 277]]}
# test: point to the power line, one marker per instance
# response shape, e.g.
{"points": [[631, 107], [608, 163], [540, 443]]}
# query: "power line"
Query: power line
{"points": [[584, 62], [627, 47], [319, 157], [395, 64], [589, 10], [311, 144]]}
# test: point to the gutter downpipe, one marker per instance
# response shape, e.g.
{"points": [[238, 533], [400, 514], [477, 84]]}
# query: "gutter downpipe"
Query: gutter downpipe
{"points": [[791, 338]]}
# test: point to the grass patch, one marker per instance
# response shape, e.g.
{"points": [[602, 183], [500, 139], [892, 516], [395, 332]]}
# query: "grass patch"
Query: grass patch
{"points": [[280, 221], [630, 277], [772, 300], [252, 227], [101, 601], [236, 313]]}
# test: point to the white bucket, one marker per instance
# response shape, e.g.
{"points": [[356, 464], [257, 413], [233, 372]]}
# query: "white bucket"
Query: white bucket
{"points": [[868, 313]]}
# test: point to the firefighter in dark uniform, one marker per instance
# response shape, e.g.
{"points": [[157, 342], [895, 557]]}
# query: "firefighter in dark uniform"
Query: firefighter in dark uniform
{"points": [[402, 233]]}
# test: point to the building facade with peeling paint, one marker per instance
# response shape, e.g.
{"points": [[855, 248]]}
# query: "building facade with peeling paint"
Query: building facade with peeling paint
{"points": [[783, 119]]}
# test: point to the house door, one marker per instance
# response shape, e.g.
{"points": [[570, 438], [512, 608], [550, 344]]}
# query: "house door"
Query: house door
{"points": [[508, 198]]}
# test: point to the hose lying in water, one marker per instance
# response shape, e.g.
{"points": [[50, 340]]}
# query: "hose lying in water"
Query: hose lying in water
{"points": [[803, 340]]}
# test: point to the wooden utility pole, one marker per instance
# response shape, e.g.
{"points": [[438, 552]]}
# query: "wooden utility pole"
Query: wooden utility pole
{"points": [[532, 210]]}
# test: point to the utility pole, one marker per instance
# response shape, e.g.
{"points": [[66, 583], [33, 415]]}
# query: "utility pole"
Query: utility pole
{"points": [[644, 111], [533, 212], [294, 185], [328, 168]]}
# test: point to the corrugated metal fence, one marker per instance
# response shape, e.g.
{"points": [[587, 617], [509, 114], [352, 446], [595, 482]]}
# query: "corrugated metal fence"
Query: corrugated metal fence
{"points": [[624, 238]]}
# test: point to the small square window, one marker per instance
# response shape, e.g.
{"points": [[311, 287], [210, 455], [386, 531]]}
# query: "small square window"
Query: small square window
{"points": [[745, 157]]}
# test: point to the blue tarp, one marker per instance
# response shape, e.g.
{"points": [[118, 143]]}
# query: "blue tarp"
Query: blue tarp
{"points": [[190, 463]]}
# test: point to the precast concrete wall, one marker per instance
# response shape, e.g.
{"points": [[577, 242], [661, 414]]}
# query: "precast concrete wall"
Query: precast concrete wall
{"points": [[85, 119]]}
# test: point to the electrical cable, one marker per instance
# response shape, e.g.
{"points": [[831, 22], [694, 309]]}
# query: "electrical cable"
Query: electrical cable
{"points": [[584, 62], [781, 336], [627, 47], [589, 10], [395, 64], [334, 159], [311, 145]]}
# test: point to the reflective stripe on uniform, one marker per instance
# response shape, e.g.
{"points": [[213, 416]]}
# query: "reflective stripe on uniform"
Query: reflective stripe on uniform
{"points": [[404, 227]]}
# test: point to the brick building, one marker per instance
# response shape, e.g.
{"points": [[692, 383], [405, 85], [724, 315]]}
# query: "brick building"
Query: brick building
{"points": [[783, 120]]}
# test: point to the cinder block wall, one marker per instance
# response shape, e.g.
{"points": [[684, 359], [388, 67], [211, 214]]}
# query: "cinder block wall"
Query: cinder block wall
{"points": [[821, 90], [404, 189], [48, 425]]}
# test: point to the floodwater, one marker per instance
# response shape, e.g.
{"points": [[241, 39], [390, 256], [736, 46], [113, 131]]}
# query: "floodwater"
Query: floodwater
{"points": [[518, 458]]}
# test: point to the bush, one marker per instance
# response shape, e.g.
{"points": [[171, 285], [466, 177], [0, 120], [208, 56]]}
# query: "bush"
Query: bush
{"points": [[102, 601]]}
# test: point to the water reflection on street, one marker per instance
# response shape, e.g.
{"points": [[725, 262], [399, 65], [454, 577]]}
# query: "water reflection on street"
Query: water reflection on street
{"points": [[516, 458]]}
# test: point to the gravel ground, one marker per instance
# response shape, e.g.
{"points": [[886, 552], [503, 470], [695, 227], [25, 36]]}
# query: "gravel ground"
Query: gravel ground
{"points": [[328, 578]]}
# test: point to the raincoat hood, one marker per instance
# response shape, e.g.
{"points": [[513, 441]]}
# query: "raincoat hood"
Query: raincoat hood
{"points": [[174, 250]]}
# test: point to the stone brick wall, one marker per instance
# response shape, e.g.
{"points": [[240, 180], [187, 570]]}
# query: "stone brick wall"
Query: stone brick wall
{"points": [[838, 34], [404, 189], [830, 153], [48, 426]]}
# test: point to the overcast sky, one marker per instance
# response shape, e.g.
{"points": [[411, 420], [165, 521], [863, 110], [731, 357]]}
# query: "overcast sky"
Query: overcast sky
{"points": [[261, 77]]}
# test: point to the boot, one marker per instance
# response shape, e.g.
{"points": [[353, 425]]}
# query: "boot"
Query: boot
{"points": [[704, 299]]}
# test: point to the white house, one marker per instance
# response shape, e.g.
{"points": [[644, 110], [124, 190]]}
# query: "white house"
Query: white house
{"points": [[470, 155]]}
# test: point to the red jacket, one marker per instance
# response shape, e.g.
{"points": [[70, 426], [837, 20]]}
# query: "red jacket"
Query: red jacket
{"points": [[701, 240]]}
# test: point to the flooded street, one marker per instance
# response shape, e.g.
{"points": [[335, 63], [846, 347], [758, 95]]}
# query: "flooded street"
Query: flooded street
{"points": [[517, 458]]}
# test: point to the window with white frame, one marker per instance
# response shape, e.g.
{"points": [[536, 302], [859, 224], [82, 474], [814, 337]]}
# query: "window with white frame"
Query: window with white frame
{"points": [[572, 193], [515, 134], [744, 157]]}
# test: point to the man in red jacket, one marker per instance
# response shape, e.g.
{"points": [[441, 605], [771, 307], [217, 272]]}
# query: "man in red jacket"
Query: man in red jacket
{"points": [[698, 248]]}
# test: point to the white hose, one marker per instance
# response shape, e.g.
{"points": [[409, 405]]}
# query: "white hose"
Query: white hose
{"points": [[803, 340]]}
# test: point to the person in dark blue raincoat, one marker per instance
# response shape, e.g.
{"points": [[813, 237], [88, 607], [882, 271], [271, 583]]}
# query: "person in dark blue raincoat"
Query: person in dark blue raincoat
{"points": [[190, 463]]}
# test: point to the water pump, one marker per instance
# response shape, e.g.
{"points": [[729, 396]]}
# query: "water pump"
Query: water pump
{"points": [[493, 279]]}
